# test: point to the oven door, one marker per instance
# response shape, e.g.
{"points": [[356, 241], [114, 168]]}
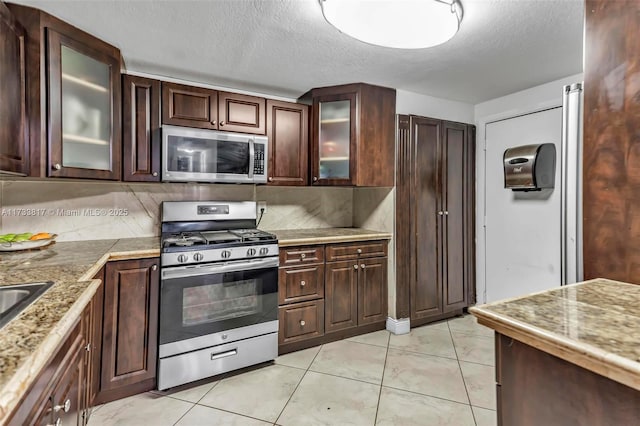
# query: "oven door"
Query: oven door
{"points": [[202, 305]]}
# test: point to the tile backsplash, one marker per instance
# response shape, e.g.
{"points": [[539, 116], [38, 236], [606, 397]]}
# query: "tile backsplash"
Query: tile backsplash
{"points": [[77, 210]]}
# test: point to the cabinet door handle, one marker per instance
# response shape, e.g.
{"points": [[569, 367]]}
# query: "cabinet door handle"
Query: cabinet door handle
{"points": [[440, 213], [270, 179], [65, 407], [362, 266], [154, 174], [222, 123], [154, 267], [355, 267], [57, 423], [302, 323], [213, 122], [446, 213], [315, 178], [57, 166], [359, 251], [88, 347], [302, 283]]}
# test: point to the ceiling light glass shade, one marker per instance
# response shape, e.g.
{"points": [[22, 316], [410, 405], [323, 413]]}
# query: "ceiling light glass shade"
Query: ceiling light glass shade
{"points": [[402, 24]]}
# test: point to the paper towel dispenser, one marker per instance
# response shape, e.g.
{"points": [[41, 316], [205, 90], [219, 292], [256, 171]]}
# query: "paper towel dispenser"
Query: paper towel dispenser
{"points": [[530, 167]]}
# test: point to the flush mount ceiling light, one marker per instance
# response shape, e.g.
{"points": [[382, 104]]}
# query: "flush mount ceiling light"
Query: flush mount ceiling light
{"points": [[401, 24]]}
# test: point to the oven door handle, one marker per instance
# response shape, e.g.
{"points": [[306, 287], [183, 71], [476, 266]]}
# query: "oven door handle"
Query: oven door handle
{"points": [[244, 265], [225, 354]]}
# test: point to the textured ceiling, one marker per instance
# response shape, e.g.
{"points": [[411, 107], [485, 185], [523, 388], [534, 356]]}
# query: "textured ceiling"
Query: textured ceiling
{"points": [[285, 47]]}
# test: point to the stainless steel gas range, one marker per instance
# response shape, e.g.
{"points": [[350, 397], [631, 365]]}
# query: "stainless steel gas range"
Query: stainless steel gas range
{"points": [[219, 291]]}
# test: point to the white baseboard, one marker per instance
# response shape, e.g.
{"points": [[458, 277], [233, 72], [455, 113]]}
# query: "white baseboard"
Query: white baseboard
{"points": [[398, 326]]}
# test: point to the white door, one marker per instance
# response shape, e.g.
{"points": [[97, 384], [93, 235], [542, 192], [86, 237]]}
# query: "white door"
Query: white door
{"points": [[522, 231]]}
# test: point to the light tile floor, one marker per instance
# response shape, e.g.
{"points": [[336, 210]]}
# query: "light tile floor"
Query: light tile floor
{"points": [[440, 374]]}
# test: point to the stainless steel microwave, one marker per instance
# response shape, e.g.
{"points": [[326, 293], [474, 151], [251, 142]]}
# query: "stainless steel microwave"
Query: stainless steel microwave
{"points": [[200, 155]]}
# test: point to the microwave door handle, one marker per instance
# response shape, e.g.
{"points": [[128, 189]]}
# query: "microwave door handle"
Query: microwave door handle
{"points": [[252, 155]]}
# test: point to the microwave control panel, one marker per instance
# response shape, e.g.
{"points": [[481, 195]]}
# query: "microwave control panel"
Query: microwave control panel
{"points": [[258, 164]]}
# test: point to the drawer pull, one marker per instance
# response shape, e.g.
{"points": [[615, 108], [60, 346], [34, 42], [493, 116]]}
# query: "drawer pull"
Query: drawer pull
{"points": [[355, 266], [362, 266], [65, 407], [219, 355], [303, 283], [302, 323], [302, 256], [359, 251]]}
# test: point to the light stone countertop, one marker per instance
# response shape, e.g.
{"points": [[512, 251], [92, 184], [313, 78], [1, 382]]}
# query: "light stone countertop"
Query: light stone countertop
{"points": [[594, 324], [296, 237], [30, 339]]}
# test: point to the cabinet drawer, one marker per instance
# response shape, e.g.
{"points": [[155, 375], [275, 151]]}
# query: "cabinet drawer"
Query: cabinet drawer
{"points": [[290, 256], [298, 284], [301, 321], [352, 251]]}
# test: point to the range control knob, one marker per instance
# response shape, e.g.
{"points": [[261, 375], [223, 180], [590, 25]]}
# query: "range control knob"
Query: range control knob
{"points": [[225, 254], [183, 258], [198, 257], [264, 250], [251, 252]]}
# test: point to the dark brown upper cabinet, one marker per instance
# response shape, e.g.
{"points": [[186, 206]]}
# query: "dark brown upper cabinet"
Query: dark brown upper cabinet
{"points": [[241, 113], [288, 133], [141, 139], [352, 135], [14, 129], [191, 106], [73, 99]]}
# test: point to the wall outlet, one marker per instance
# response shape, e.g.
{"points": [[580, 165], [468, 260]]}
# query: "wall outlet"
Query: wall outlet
{"points": [[262, 207]]}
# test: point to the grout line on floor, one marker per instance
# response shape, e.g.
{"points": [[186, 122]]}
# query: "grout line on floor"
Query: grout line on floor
{"points": [[430, 396], [423, 353], [349, 378], [222, 376], [384, 367], [185, 413], [298, 385], [233, 412], [483, 408], [476, 362], [464, 382]]}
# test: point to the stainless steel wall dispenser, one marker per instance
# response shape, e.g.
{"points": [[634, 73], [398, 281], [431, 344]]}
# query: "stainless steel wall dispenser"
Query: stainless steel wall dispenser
{"points": [[530, 167]]}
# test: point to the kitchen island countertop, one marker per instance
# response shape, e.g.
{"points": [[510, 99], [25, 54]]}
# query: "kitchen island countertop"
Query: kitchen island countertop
{"points": [[594, 324]]}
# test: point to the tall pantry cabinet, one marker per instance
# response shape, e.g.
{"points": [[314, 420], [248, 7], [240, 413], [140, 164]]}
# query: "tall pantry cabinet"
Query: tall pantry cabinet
{"points": [[436, 212]]}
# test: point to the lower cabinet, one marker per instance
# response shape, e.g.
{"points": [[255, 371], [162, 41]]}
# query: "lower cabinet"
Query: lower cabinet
{"points": [[130, 329], [341, 285], [536, 388], [329, 292], [59, 394]]}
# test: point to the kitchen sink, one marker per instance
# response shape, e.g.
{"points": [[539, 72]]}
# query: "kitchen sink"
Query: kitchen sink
{"points": [[15, 298]]}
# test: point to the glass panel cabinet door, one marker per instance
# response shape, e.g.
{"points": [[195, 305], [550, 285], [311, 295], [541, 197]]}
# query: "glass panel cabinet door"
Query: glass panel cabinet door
{"points": [[334, 139], [84, 130]]}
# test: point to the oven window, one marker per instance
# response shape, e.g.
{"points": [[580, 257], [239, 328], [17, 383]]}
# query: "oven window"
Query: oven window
{"points": [[215, 302], [193, 306]]}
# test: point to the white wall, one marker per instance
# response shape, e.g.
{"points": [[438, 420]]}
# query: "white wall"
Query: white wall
{"points": [[429, 106], [537, 98]]}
